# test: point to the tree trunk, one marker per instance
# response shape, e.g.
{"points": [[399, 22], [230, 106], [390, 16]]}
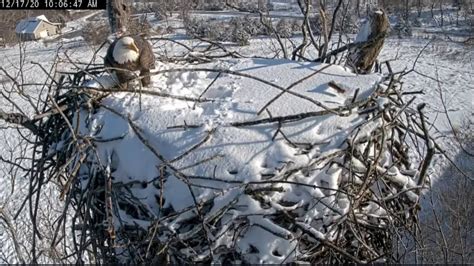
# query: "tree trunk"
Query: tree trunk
{"points": [[407, 10], [442, 12], [432, 9], [358, 8], [119, 14], [324, 28], [420, 8]]}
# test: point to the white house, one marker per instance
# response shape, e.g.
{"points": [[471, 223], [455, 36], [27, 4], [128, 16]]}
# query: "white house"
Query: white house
{"points": [[34, 28]]}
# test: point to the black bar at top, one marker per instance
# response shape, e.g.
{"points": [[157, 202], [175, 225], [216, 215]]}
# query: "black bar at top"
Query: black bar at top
{"points": [[52, 4]]}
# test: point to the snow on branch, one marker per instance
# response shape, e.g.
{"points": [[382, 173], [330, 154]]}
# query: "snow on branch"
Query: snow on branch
{"points": [[316, 170]]}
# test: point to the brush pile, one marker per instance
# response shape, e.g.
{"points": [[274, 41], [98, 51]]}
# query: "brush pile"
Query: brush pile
{"points": [[244, 169]]}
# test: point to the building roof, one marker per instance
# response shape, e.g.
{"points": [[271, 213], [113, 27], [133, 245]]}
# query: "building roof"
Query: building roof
{"points": [[41, 17]]}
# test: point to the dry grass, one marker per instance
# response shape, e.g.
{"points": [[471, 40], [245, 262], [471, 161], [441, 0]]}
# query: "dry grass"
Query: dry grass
{"points": [[448, 227]]}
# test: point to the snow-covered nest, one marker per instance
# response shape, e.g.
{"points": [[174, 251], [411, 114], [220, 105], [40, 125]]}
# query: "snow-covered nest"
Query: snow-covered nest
{"points": [[255, 161]]}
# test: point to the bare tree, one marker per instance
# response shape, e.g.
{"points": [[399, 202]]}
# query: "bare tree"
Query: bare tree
{"points": [[119, 14]]}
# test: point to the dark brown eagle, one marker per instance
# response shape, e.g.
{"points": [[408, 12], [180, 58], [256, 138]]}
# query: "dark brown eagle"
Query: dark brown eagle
{"points": [[128, 54], [370, 41]]}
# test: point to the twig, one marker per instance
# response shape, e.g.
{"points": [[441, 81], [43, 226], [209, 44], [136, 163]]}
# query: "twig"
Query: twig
{"points": [[154, 93], [294, 84], [429, 146]]}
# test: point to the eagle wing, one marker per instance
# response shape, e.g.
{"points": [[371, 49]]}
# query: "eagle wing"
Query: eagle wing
{"points": [[147, 57], [109, 57]]}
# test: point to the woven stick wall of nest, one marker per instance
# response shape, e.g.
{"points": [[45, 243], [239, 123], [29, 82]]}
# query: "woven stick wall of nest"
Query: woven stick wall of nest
{"points": [[355, 219]]}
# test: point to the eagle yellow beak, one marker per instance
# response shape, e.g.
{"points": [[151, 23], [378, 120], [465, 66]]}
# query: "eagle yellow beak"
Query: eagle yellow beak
{"points": [[133, 47]]}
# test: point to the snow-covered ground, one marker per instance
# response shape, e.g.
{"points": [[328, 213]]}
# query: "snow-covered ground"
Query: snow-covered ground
{"points": [[444, 70], [453, 66]]}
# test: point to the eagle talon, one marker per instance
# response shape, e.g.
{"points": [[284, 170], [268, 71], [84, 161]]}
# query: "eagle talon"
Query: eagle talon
{"points": [[125, 86]]}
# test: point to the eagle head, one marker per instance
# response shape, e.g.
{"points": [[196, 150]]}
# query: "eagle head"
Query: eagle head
{"points": [[126, 50]]}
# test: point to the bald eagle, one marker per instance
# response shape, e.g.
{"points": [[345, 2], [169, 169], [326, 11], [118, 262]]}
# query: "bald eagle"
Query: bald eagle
{"points": [[371, 38], [128, 54]]}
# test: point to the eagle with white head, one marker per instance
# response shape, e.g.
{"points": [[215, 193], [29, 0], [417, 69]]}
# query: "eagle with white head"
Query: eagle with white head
{"points": [[128, 54]]}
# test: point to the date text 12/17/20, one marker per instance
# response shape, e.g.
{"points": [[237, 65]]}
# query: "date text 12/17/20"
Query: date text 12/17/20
{"points": [[52, 4]]}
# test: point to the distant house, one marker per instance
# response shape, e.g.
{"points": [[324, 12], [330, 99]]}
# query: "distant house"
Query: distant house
{"points": [[35, 28]]}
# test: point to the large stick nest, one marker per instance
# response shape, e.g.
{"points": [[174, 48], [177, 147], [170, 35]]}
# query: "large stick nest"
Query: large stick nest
{"points": [[343, 205]]}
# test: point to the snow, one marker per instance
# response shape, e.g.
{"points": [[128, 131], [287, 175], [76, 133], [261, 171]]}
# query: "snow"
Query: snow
{"points": [[364, 32], [249, 150], [42, 17], [76, 25], [452, 65], [237, 155], [103, 82]]}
